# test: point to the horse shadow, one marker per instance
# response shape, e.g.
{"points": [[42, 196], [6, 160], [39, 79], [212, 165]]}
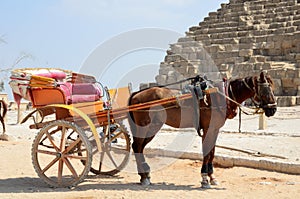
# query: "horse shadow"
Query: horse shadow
{"points": [[35, 184]]}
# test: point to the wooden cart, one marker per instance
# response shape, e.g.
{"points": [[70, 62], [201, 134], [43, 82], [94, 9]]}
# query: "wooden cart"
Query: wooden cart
{"points": [[80, 124]]}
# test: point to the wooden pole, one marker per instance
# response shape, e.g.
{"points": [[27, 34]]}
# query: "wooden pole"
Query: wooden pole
{"points": [[262, 122], [19, 114]]}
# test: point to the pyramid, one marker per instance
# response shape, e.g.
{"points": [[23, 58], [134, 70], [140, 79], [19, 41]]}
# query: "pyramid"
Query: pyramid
{"points": [[240, 39]]}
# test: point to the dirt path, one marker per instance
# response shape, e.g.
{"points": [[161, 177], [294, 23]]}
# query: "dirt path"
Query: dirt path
{"points": [[181, 179]]}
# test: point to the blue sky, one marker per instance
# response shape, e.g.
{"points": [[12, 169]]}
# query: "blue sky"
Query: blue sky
{"points": [[62, 33]]}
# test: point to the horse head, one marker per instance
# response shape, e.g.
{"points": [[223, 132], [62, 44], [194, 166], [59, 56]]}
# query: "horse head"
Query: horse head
{"points": [[264, 95]]}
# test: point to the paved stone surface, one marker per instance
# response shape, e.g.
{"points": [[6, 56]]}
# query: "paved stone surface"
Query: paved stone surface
{"points": [[276, 145]]}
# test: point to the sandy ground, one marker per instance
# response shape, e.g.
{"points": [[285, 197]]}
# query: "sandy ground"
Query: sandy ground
{"points": [[179, 179], [171, 178]]}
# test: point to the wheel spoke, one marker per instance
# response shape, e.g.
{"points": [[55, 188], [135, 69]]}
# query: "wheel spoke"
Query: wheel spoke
{"points": [[101, 160], [76, 157], [50, 164], [46, 152], [62, 139], [118, 150], [60, 170], [51, 141], [61, 154], [71, 168], [111, 158], [69, 148], [116, 135]]}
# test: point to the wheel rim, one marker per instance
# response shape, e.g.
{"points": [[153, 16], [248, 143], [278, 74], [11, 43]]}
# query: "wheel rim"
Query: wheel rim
{"points": [[55, 154], [115, 154]]}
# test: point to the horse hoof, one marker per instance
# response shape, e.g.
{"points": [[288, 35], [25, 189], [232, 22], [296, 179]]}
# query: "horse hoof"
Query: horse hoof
{"points": [[145, 182], [214, 182], [205, 185]]}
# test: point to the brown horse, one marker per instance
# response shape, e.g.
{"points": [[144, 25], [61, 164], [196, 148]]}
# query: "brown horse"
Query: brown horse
{"points": [[208, 114], [4, 105]]}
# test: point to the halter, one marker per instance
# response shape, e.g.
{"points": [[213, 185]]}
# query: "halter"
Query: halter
{"points": [[263, 89]]}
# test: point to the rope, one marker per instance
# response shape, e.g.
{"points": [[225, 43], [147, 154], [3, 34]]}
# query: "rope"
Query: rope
{"points": [[244, 109]]}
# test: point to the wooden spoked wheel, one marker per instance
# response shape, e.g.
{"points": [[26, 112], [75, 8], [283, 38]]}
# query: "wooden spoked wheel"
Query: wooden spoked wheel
{"points": [[116, 150], [55, 154]]}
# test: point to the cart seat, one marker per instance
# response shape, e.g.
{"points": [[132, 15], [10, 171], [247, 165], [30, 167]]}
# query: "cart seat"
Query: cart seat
{"points": [[54, 74], [81, 92]]}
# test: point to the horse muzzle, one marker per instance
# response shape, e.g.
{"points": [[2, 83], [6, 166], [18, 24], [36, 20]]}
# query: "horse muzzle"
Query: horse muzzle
{"points": [[270, 109]]}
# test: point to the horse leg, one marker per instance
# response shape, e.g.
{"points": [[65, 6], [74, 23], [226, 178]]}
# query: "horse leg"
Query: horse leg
{"points": [[142, 166], [3, 125], [3, 114], [213, 180], [138, 146], [2, 119], [204, 172], [208, 149]]}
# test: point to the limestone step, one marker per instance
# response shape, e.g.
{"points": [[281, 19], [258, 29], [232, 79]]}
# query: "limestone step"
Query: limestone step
{"points": [[281, 65]]}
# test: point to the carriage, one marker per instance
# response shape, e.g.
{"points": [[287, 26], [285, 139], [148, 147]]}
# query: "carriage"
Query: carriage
{"points": [[81, 123]]}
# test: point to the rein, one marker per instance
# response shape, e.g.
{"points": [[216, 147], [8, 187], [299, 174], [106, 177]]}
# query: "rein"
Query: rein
{"points": [[193, 80], [244, 109]]}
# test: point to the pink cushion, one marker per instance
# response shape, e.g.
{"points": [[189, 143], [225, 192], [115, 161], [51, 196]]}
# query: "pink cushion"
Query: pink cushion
{"points": [[84, 92], [59, 75], [83, 98], [85, 89]]}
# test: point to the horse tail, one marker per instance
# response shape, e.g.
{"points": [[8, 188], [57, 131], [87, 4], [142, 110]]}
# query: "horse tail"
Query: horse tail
{"points": [[131, 119], [4, 105]]}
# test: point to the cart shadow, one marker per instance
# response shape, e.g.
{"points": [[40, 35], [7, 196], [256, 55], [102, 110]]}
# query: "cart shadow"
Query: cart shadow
{"points": [[33, 185]]}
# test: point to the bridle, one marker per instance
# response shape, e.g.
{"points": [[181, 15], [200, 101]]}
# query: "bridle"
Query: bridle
{"points": [[262, 89]]}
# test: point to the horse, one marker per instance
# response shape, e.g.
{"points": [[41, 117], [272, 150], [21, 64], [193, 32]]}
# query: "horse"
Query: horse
{"points": [[206, 113], [2, 116]]}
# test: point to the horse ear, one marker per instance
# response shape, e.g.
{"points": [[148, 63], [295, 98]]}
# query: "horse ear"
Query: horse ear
{"points": [[262, 77]]}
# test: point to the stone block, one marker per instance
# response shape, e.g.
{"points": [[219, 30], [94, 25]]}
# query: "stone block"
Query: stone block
{"points": [[245, 53], [277, 86], [287, 82], [176, 49], [298, 96], [171, 79], [246, 46], [165, 70], [247, 40], [266, 66], [201, 55], [258, 66], [161, 79], [192, 56], [292, 73], [185, 39], [296, 82], [285, 101], [189, 50], [192, 70], [287, 44], [182, 69]]}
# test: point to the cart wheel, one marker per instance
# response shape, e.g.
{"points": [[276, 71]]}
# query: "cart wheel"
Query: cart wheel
{"points": [[116, 151], [55, 154]]}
